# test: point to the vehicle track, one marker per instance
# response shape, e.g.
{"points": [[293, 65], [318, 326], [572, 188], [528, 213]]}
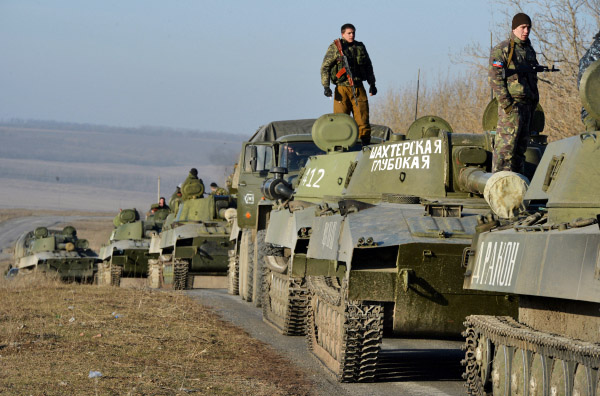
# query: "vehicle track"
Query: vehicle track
{"points": [[407, 367]]}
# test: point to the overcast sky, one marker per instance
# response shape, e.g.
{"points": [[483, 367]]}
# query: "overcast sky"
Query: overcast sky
{"points": [[212, 65]]}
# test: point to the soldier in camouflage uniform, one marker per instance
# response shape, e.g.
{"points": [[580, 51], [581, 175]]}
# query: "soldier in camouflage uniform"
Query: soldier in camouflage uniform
{"points": [[361, 69], [175, 199], [592, 55], [515, 85], [216, 190]]}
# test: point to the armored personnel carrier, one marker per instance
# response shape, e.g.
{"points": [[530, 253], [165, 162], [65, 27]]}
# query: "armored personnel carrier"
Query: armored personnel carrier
{"points": [[127, 253], [284, 144], [55, 250], [550, 258], [192, 249], [385, 250]]}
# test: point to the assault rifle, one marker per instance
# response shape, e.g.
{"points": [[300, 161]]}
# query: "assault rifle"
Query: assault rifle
{"points": [[346, 69], [530, 69]]}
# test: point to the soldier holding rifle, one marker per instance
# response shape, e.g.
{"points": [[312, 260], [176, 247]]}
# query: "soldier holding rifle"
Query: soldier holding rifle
{"points": [[347, 65], [512, 75]]}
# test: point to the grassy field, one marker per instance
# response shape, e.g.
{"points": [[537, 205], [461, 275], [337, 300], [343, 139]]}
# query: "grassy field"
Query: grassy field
{"points": [[143, 342]]}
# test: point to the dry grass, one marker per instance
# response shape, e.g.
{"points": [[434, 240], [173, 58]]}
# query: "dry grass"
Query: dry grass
{"points": [[462, 100], [163, 343]]}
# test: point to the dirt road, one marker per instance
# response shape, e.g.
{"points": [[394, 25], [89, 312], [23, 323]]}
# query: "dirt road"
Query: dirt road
{"points": [[410, 367]]}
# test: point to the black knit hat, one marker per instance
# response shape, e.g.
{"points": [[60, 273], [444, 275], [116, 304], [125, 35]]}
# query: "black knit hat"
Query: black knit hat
{"points": [[520, 19]]}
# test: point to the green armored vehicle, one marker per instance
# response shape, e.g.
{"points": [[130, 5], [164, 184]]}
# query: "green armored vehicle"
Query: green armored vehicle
{"points": [[279, 143], [126, 254], [192, 249], [383, 247], [55, 250], [285, 298], [284, 144], [550, 258]]}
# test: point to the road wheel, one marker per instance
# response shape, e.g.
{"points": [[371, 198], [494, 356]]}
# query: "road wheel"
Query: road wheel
{"points": [[246, 249], [233, 273], [154, 274], [261, 249]]}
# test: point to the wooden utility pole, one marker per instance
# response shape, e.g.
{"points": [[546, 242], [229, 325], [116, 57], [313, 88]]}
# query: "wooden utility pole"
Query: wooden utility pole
{"points": [[417, 101]]}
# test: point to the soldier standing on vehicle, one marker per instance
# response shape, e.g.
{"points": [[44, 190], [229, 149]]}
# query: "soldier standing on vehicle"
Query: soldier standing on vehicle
{"points": [[348, 98], [514, 83], [591, 55]]}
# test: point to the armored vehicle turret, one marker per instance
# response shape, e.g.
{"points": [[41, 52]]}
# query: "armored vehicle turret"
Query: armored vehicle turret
{"points": [[126, 254], [550, 258], [192, 248], [383, 246], [55, 251]]}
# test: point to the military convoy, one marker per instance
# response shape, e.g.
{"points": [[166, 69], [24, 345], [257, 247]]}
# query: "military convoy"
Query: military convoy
{"points": [[192, 249], [550, 258], [372, 240], [409, 236], [126, 254], [55, 251], [279, 144]]}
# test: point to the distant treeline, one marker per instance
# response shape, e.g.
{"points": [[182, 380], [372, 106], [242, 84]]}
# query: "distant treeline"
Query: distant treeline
{"points": [[43, 141], [146, 130]]}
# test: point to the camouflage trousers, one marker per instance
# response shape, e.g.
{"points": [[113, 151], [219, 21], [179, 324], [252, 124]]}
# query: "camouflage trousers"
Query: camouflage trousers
{"points": [[512, 135], [343, 102]]}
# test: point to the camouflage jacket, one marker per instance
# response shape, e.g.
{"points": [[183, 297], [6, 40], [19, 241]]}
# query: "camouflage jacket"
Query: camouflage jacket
{"points": [[219, 191], [591, 55], [358, 58], [511, 82]]}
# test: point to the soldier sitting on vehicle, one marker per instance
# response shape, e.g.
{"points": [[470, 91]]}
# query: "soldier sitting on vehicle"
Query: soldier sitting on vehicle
{"points": [[192, 186], [216, 190], [175, 199], [162, 203]]}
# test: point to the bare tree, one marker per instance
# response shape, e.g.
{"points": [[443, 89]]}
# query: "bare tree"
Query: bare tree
{"points": [[562, 31]]}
